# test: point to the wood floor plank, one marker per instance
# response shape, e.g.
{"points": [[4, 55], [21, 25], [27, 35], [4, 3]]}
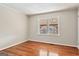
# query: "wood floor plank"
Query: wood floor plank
{"points": [[32, 48]]}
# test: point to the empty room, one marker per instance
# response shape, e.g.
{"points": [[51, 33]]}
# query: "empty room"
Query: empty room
{"points": [[39, 29]]}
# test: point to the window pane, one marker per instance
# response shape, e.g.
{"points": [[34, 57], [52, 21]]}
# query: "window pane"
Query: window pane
{"points": [[43, 26], [53, 26]]}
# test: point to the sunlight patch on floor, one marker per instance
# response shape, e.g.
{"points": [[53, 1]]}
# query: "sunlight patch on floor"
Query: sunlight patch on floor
{"points": [[44, 52]]}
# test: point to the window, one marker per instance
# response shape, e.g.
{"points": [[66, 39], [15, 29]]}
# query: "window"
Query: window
{"points": [[49, 26]]}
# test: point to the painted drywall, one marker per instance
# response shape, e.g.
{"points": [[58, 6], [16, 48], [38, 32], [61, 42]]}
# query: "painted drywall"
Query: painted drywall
{"points": [[68, 28], [13, 27], [78, 27]]}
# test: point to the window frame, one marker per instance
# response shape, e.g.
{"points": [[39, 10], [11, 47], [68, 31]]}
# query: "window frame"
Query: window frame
{"points": [[58, 34]]}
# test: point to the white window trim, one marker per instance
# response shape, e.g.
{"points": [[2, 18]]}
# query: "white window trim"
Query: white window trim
{"points": [[38, 32]]}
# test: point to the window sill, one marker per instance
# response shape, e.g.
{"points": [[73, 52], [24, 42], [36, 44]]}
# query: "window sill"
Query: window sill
{"points": [[49, 34]]}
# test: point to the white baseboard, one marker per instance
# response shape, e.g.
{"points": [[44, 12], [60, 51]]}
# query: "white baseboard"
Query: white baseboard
{"points": [[78, 47], [36, 41], [54, 43], [13, 45]]}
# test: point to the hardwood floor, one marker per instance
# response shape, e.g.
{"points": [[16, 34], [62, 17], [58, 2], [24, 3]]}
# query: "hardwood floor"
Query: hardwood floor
{"points": [[31, 48]]}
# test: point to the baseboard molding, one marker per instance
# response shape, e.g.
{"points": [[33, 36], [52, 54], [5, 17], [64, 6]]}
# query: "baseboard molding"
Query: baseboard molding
{"points": [[13, 45], [53, 43], [78, 47], [38, 41]]}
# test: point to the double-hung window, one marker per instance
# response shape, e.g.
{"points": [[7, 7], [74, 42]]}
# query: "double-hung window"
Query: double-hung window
{"points": [[48, 26]]}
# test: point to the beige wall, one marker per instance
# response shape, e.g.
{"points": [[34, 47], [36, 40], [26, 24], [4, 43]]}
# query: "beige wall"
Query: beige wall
{"points": [[13, 27], [68, 26]]}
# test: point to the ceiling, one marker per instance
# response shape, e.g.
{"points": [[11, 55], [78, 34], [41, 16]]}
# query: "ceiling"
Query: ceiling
{"points": [[36, 8]]}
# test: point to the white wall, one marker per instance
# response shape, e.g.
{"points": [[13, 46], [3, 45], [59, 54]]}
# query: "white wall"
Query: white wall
{"points": [[68, 28], [16, 27], [78, 27], [13, 27]]}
